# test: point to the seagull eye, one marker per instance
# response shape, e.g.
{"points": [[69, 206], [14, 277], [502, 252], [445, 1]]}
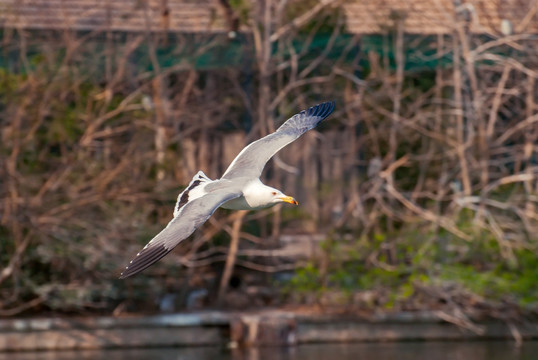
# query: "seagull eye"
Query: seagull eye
{"points": [[274, 192]]}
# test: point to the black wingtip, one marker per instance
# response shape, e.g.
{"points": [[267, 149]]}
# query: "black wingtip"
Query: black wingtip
{"points": [[124, 274], [322, 110], [144, 259]]}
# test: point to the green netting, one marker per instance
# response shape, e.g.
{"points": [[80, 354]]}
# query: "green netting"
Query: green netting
{"points": [[216, 51]]}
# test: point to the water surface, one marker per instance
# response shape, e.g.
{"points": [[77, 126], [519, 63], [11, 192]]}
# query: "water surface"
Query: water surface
{"points": [[475, 350]]}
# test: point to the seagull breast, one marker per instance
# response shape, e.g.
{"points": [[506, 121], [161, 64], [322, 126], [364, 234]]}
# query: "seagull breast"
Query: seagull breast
{"points": [[256, 195]]}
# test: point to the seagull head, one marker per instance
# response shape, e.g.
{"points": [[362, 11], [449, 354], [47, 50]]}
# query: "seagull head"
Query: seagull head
{"points": [[278, 197], [260, 196]]}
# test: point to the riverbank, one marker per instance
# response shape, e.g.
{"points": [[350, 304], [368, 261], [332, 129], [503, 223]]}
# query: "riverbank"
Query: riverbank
{"points": [[256, 328]]}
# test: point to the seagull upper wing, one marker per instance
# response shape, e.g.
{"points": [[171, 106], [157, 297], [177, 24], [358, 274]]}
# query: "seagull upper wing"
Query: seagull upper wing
{"points": [[193, 214], [252, 159]]}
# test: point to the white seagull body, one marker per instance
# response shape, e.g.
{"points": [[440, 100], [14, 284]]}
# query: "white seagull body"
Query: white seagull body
{"points": [[239, 188]]}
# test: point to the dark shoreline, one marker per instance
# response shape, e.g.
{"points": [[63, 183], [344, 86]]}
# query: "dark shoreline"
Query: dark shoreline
{"points": [[253, 328]]}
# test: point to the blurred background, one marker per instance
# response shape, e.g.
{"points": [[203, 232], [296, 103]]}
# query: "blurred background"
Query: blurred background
{"points": [[419, 192]]}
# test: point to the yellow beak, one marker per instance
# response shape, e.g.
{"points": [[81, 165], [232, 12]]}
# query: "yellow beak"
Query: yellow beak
{"points": [[290, 200]]}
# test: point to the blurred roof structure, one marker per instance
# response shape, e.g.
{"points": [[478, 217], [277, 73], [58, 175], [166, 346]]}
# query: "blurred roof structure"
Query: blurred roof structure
{"points": [[117, 15], [362, 16], [438, 16]]}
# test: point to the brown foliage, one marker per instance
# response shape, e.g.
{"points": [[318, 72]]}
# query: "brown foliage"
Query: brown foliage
{"points": [[98, 137]]}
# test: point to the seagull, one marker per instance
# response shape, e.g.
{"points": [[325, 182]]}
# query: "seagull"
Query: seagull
{"points": [[239, 188]]}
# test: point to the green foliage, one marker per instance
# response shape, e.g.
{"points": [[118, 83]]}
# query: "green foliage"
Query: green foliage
{"points": [[242, 8], [306, 279], [422, 258], [499, 281], [323, 24]]}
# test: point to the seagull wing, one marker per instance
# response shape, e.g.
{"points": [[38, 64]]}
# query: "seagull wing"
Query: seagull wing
{"points": [[252, 159], [193, 214]]}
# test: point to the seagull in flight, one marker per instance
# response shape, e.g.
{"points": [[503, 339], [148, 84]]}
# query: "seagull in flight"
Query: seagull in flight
{"points": [[239, 188]]}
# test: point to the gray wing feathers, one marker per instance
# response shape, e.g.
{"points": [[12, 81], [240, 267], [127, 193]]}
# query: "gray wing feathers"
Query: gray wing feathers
{"points": [[190, 217], [252, 159], [307, 119]]}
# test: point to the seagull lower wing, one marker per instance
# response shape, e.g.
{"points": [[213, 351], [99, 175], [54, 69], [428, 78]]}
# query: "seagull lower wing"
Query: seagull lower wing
{"points": [[189, 218]]}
